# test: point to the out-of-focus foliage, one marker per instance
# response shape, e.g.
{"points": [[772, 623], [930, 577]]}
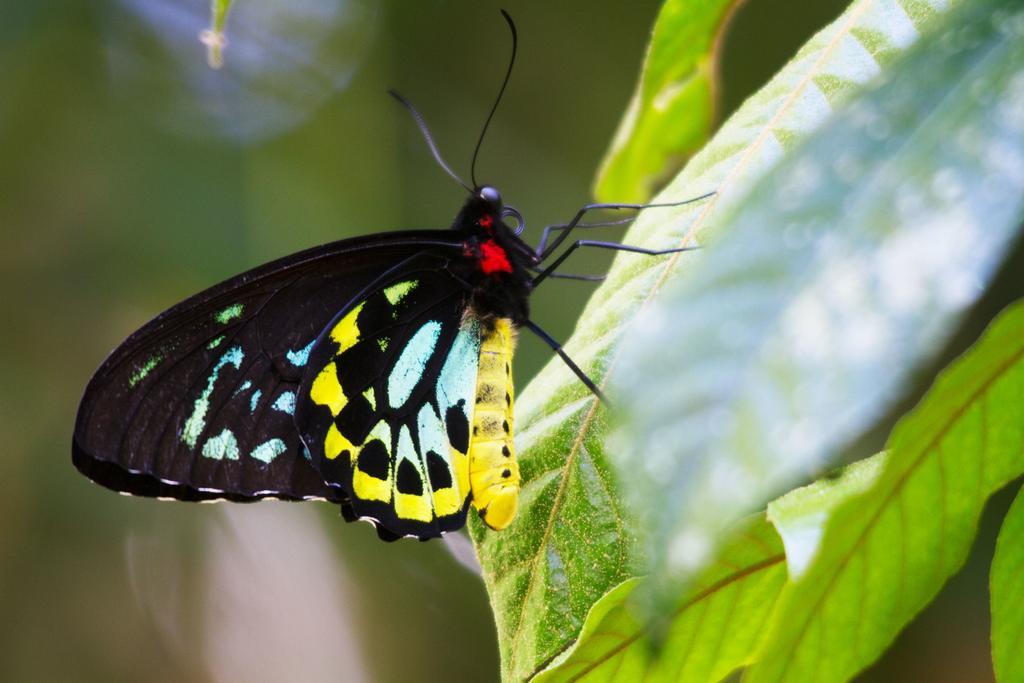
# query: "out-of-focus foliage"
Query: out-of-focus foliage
{"points": [[273, 63], [672, 110], [827, 286]]}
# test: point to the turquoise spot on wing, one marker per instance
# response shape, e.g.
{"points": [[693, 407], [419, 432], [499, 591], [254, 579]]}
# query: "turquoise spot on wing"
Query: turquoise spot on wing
{"points": [[457, 379], [411, 363], [300, 357], [222, 446], [197, 420], [268, 450], [406, 450], [215, 342], [146, 368], [255, 400], [228, 314], [396, 292], [245, 385], [432, 433], [285, 403]]}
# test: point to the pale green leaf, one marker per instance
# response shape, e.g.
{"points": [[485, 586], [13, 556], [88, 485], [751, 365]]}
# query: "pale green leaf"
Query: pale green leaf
{"points": [[1007, 590], [885, 554], [834, 280], [800, 516], [573, 541], [671, 112]]}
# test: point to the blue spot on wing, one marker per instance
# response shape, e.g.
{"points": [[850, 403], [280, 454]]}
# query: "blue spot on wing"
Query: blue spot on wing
{"points": [[197, 420], [268, 450], [285, 403], [410, 365], [456, 383], [301, 357]]}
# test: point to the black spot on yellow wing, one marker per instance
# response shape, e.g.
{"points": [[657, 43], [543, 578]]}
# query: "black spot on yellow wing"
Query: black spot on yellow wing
{"points": [[409, 479], [458, 426], [374, 460], [438, 472]]}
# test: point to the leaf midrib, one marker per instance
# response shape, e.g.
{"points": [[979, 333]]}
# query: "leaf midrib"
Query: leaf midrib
{"points": [[897, 487], [708, 592]]}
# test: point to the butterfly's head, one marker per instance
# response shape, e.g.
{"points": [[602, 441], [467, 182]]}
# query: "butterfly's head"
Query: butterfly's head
{"points": [[490, 197], [484, 214]]}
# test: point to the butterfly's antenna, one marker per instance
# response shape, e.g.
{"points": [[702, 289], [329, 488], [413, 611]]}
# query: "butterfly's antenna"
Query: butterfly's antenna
{"points": [[494, 108], [429, 138]]}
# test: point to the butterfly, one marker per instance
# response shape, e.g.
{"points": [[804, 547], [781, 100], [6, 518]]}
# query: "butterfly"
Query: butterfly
{"points": [[374, 373]]}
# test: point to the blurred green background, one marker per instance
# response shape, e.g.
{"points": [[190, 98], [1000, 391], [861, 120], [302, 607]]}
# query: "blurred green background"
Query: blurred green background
{"points": [[131, 175]]}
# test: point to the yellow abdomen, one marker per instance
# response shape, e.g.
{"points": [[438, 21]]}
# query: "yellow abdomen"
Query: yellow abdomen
{"points": [[493, 472]]}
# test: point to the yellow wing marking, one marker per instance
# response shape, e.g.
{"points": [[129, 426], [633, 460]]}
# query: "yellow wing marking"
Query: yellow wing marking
{"points": [[370, 488], [365, 486], [446, 501], [335, 444], [346, 332], [410, 506], [326, 390], [396, 292]]}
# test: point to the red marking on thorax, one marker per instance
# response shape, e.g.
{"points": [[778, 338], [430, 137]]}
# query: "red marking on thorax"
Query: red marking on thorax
{"points": [[493, 258], [486, 222]]}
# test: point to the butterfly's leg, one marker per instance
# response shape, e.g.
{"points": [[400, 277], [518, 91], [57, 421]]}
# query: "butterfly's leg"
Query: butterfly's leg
{"points": [[544, 274], [544, 250], [549, 340], [571, 276], [546, 234]]}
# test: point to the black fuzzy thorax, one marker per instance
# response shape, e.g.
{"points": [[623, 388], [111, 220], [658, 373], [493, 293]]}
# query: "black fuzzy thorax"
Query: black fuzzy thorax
{"points": [[496, 294]]}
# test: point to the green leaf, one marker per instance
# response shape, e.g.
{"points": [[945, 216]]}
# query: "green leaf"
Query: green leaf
{"points": [[713, 630], [885, 554], [717, 625], [1007, 590], [670, 115], [574, 540], [800, 515], [823, 291]]}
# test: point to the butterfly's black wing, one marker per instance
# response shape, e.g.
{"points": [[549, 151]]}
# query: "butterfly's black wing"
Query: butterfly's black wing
{"points": [[199, 403], [387, 400]]}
